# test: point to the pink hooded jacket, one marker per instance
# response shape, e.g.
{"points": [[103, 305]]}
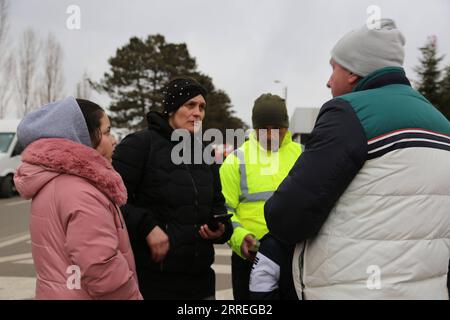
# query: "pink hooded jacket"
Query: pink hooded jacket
{"points": [[80, 243]]}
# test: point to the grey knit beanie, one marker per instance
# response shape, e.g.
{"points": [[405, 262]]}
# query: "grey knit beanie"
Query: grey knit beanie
{"points": [[60, 119], [365, 50]]}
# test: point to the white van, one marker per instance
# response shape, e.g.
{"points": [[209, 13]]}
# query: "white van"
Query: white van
{"points": [[10, 151]]}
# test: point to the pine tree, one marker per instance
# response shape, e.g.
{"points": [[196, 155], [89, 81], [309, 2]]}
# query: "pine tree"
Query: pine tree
{"points": [[140, 70], [428, 71], [444, 93], [219, 110]]}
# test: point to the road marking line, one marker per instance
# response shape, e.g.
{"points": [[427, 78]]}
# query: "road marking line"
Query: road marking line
{"points": [[221, 268], [14, 241], [15, 257], [226, 294], [13, 236], [26, 261], [17, 288], [16, 203]]}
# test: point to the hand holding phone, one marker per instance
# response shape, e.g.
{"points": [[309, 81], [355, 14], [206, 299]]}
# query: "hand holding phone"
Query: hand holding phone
{"points": [[213, 223]]}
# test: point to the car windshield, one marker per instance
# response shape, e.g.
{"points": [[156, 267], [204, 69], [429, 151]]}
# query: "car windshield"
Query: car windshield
{"points": [[5, 140]]}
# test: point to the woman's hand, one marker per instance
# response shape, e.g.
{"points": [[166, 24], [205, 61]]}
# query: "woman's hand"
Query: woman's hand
{"points": [[158, 241], [207, 234]]}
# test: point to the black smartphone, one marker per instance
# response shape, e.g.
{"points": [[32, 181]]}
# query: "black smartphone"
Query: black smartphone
{"points": [[213, 223]]}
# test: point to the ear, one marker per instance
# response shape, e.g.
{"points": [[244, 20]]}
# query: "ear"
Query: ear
{"points": [[353, 79]]}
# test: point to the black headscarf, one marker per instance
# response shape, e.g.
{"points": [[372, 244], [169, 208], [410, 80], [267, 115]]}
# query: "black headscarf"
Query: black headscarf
{"points": [[180, 90]]}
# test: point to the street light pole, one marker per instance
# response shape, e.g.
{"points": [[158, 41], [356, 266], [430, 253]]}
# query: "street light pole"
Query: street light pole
{"points": [[285, 90]]}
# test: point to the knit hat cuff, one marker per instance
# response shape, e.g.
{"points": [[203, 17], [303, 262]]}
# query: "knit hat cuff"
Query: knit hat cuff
{"points": [[263, 119]]}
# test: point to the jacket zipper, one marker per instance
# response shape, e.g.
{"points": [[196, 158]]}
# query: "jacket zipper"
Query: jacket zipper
{"points": [[196, 203], [161, 264], [117, 210], [118, 214], [302, 256]]}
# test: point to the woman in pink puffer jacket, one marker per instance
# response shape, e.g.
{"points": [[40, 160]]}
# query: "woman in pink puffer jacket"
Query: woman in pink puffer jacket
{"points": [[80, 243]]}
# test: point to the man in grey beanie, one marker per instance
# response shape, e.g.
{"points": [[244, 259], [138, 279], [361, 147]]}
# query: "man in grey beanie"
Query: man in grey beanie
{"points": [[365, 50], [367, 202]]}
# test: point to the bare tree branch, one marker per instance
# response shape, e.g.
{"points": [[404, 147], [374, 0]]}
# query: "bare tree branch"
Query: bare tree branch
{"points": [[6, 93], [4, 23], [53, 76], [84, 88], [6, 60], [29, 50]]}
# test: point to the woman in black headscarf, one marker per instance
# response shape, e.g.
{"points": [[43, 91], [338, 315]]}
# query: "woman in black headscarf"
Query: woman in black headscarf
{"points": [[170, 203]]}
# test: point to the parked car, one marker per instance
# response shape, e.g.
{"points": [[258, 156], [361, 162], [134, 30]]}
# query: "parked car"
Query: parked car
{"points": [[10, 151]]}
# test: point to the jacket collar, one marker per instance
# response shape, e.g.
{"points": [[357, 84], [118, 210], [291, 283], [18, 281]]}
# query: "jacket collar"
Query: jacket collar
{"points": [[287, 139], [160, 123], [382, 77]]}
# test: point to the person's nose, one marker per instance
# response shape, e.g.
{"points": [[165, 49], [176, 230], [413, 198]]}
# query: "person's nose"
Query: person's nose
{"points": [[114, 141], [329, 83], [197, 113]]}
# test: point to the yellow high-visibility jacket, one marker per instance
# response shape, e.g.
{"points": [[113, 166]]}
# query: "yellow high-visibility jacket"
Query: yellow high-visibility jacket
{"points": [[249, 177]]}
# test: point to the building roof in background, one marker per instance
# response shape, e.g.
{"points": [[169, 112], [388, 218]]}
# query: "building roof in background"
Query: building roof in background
{"points": [[303, 120]]}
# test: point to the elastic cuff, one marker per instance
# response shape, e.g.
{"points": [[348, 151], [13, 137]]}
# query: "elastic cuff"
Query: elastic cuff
{"points": [[238, 236], [226, 235]]}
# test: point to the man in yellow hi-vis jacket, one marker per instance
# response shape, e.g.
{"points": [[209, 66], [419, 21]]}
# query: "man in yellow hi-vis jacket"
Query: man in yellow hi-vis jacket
{"points": [[249, 176]]}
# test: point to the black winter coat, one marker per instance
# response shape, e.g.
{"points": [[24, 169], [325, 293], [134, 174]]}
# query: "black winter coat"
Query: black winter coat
{"points": [[178, 198]]}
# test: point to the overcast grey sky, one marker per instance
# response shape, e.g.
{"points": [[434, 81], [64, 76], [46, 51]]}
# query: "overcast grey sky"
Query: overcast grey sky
{"points": [[244, 45]]}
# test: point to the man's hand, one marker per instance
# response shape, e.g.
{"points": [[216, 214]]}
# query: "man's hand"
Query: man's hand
{"points": [[248, 247], [158, 242], [207, 234]]}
